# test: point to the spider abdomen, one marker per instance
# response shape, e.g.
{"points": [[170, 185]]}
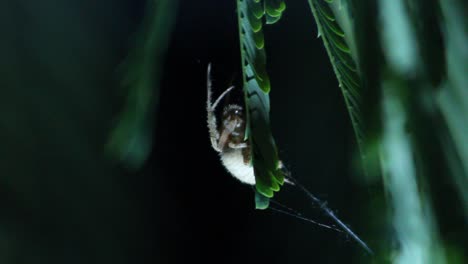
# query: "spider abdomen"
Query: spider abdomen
{"points": [[234, 161]]}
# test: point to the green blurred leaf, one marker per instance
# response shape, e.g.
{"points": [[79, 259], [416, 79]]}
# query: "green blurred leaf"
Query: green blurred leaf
{"points": [[453, 96], [410, 57], [131, 140]]}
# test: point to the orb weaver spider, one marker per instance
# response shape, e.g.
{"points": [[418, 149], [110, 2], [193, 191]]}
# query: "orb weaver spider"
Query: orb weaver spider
{"points": [[234, 150], [229, 138]]}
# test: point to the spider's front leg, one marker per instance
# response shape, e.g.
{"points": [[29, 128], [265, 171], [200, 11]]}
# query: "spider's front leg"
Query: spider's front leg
{"points": [[210, 109], [242, 145], [228, 139]]}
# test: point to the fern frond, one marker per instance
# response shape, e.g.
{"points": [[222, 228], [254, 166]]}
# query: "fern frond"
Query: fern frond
{"points": [[131, 140], [453, 97], [256, 84], [414, 56], [344, 66]]}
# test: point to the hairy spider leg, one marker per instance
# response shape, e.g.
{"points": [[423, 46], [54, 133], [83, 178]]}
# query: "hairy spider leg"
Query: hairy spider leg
{"points": [[237, 146], [210, 108]]}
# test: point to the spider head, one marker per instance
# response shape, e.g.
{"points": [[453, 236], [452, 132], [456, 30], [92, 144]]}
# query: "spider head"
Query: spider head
{"points": [[233, 121]]}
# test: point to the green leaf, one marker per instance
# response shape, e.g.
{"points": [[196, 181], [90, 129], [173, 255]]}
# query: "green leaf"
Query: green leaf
{"points": [[131, 139], [413, 61], [273, 10], [453, 97], [256, 84], [261, 202], [344, 66]]}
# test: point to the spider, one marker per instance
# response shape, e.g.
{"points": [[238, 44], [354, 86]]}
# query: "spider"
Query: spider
{"points": [[229, 139]]}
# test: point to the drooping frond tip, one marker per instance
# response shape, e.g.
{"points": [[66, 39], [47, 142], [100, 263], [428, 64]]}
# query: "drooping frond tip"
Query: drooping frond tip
{"points": [[265, 159], [130, 141], [344, 66]]}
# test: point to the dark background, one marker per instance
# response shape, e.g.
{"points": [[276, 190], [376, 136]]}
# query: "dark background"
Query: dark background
{"points": [[213, 213], [63, 201]]}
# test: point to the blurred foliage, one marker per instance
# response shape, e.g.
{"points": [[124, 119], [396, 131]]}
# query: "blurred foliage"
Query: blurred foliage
{"points": [[411, 61], [61, 200], [401, 66], [131, 140]]}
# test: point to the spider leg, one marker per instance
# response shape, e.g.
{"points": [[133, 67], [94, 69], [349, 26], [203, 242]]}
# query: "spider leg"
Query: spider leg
{"points": [[221, 97], [238, 145], [210, 108], [228, 129], [211, 118]]}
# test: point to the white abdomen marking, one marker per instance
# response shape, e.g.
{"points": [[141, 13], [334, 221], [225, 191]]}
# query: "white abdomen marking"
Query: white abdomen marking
{"points": [[233, 160]]}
